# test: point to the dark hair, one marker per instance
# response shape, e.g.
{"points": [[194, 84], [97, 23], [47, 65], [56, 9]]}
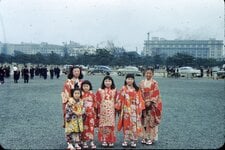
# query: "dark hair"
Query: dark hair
{"points": [[70, 75], [134, 84], [86, 82], [149, 68], [76, 89], [110, 78]]}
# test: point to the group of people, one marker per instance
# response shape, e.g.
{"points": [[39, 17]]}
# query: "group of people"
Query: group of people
{"points": [[138, 108], [28, 73]]}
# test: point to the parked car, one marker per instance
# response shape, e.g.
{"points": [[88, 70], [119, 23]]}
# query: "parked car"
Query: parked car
{"points": [[100, 69], [129, 70], [185, 71]]}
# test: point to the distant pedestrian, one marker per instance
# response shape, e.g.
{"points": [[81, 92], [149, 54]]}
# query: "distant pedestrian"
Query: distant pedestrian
{"points": [[73, 119], [131, 104], [26, 74], [151, 116], [51, 72], [1, 75], [105, 99], [57, 72], [32, 72], [16, 73]]}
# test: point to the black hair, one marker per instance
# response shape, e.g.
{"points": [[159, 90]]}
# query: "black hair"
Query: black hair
{"points": [[149, 68], [134, 84], [70, 75], [86, 82], [76, 89], [110, 78]]}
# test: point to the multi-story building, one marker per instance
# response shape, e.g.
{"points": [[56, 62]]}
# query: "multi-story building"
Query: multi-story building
{"points": [[211, 48], [75, 49], [31, 48]]}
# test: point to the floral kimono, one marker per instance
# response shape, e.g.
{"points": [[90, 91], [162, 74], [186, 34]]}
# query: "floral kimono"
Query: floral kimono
{"points": [[74, 123], [131, 104], [66, 93], [89, 120], [153, 112], [105, 99]]}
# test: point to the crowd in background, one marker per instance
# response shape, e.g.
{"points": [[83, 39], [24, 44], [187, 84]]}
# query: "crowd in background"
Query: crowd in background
{"points": [[27, 73]]}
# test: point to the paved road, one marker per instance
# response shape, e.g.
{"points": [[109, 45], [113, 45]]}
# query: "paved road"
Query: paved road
{"points": [[193, 114]]}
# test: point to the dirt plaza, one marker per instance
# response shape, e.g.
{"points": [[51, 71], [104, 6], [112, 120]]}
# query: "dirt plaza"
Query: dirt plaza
{"points": [[193, 113]]}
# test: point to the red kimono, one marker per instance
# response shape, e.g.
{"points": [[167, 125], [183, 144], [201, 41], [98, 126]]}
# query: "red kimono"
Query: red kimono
{"points": [[105, 99], [152, 114], [66, 93], [131, 104], [89, 121]]}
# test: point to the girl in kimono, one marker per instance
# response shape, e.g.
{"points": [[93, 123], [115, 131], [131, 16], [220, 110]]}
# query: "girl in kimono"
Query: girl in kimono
{"points": [[74, 120], [152, 114], [88, 98], [74, 80], [105, 98], [130, 104]]}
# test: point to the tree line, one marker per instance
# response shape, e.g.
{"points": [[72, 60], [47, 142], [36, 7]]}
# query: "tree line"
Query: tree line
{"points": [[105, 57]]}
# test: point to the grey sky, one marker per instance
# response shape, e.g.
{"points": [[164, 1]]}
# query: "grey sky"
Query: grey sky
{"points": [[125, 22]]}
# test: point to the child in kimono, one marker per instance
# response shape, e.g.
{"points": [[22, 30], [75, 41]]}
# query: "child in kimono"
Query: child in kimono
{"points": [[88, 98], [153, 103], [73, 119], [105, 98], [131, 104]]}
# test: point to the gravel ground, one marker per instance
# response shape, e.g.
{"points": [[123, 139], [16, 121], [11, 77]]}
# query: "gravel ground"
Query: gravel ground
{"points": [[193, 114]]}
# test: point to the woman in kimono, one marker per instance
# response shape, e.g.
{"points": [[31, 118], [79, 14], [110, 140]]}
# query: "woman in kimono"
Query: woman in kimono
{"points": [[153, 103], [74, 80], [131, 104], [105, 98]]}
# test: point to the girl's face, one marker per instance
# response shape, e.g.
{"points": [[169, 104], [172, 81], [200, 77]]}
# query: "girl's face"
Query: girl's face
{"points": [[76, 94], [76, 72], [107, 83], [129, 81], [86, 87], [148, 74]]}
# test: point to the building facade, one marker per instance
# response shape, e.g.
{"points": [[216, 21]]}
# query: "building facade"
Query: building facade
{"points": [[211, 48]]}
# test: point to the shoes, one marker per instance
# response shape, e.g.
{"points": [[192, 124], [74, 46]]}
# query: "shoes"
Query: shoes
{"points": [[77, 146], [85, 145], [143, 141], [124, 144], [111, 144], [149, 142], [93, 146], [133, 144], [104, 144], [70, 147]]}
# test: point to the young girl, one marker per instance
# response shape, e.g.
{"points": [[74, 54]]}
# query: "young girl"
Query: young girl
{"points": [[131, 104], [153, 104], [73, 119], [105, 98], [88, 98], [74, 80]]}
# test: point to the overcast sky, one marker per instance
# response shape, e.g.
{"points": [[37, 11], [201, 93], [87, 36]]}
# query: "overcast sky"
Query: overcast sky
{"points": [[125, 22]]}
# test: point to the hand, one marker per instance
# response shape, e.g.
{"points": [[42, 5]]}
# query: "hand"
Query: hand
{"points": [[71, 101], [147, 104]]}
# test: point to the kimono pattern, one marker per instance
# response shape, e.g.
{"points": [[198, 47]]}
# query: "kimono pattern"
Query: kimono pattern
{"points": [[66, 93], [130, 102], [74, 123], [153, 112], [90, 115], [105, 99]]}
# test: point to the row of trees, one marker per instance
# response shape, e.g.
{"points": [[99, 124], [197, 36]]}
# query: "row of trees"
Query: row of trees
{"points": [[104, 57]]}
